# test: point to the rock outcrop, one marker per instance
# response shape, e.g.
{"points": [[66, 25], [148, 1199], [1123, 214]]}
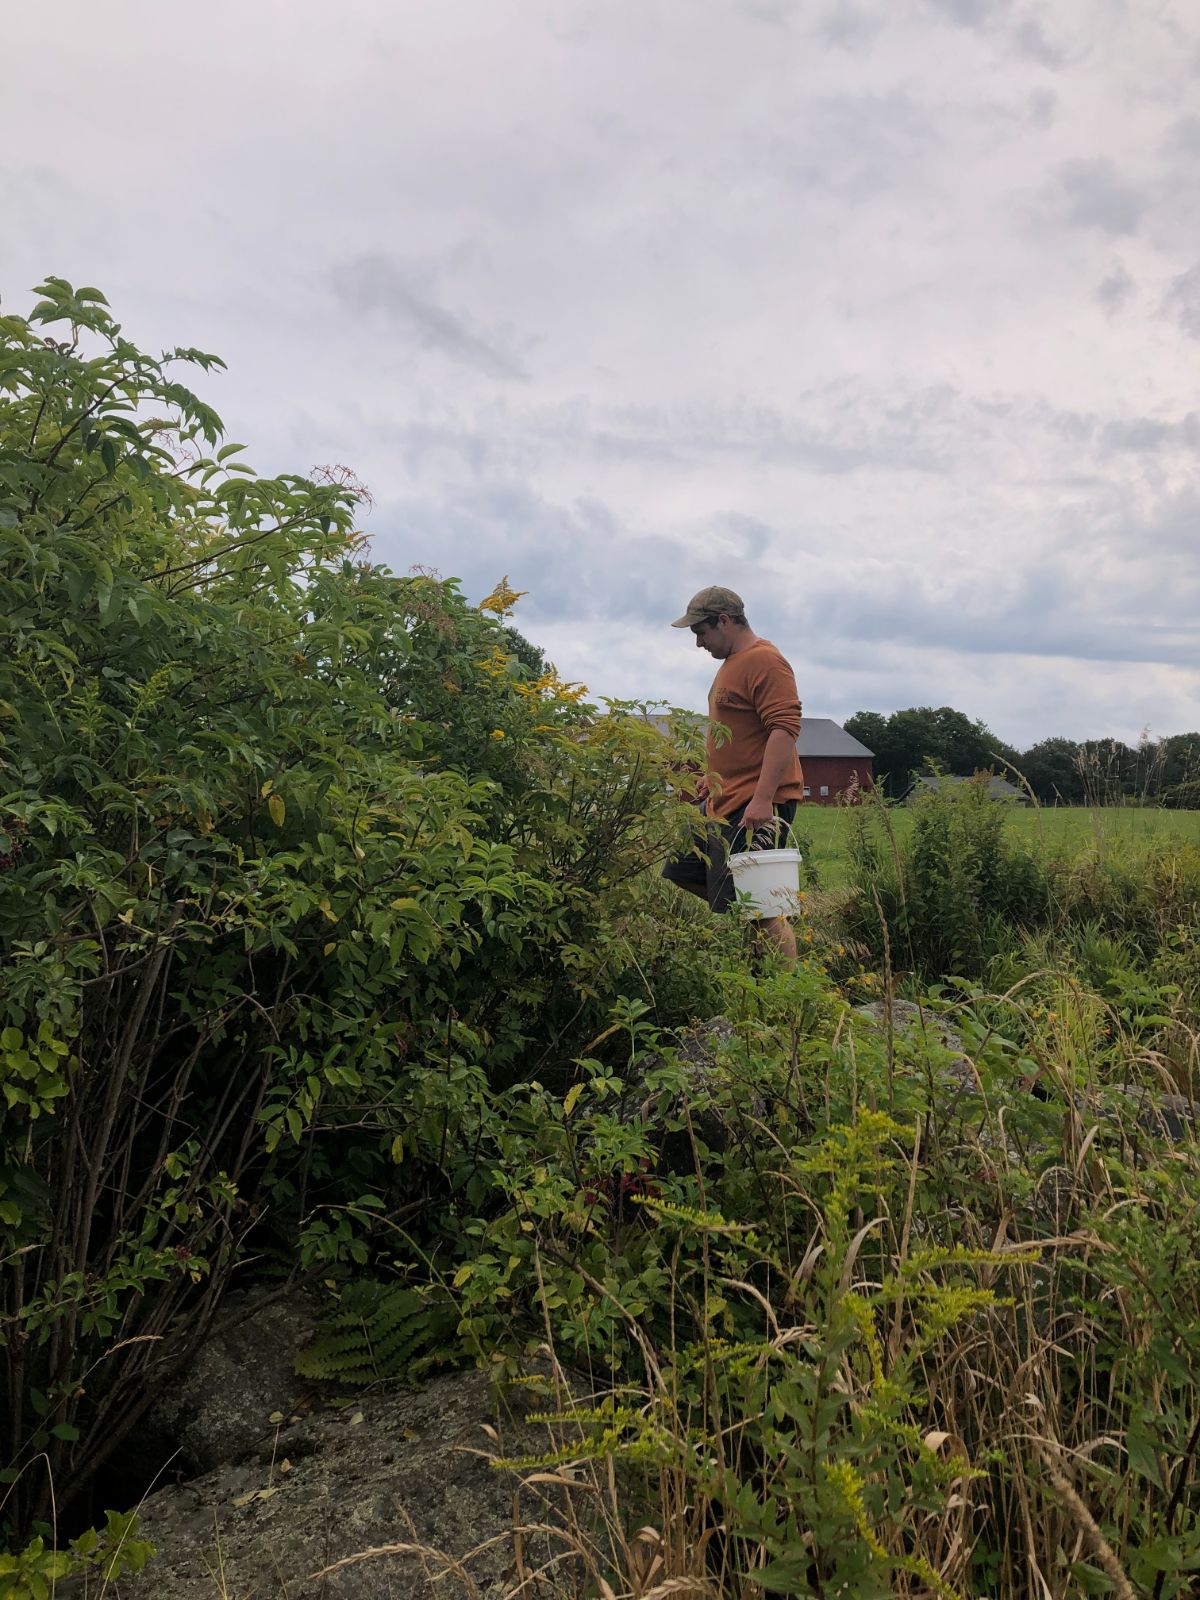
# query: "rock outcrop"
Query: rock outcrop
{"points": [[298, 1488]]}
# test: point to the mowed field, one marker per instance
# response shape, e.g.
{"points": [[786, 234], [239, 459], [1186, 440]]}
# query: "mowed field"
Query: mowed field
{"points": [[1061, 832]]}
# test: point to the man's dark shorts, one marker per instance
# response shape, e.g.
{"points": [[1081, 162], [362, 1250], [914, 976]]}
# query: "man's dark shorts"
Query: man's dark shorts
{"points": [[705, 870]]}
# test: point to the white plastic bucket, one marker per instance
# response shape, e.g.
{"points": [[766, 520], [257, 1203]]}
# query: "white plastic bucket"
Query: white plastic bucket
{"points": [[770, 879]]}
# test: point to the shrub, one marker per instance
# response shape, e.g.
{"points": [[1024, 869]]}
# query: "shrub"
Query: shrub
{"points": [[1183, 796], [301, 861], [945, 897], [800, 1340]]}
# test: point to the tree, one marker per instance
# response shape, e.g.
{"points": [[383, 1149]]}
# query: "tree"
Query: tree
{"points": [[870, 728], [1107, 769], [1181, 759], [914, 740], [1051, 768]]}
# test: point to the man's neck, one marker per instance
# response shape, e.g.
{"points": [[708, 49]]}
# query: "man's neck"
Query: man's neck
{"points": [[742, 640]]}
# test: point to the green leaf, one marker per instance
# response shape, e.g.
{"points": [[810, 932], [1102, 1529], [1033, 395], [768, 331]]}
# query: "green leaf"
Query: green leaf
{"points": [[1164, 1555], [1140, 1449], [79, 583], [789, 1574], [1090, 1579]]}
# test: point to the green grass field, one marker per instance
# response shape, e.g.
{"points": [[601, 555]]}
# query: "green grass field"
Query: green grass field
{"points": [[1065, 831]]}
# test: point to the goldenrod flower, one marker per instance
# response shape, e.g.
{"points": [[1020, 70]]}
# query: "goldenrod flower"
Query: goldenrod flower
{"points": [[502, 598]]}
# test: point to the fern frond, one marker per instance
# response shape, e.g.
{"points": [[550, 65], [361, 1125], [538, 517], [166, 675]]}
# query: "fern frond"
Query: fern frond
{"points": [[379, 1331]]}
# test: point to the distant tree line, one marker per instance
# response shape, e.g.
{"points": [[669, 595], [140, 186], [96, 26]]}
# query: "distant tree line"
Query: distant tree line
{"points": [[1060, 771]]}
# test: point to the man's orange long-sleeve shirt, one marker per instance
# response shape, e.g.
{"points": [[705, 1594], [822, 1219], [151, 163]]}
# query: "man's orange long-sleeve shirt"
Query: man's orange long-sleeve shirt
{"points": [[753, 693]]}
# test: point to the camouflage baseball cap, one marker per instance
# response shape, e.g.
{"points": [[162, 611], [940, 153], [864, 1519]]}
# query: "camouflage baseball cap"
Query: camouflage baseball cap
{"points": [[710, 603]]}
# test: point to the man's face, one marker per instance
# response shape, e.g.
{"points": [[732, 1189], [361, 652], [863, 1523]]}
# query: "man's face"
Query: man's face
{"points": [[713, 634]]}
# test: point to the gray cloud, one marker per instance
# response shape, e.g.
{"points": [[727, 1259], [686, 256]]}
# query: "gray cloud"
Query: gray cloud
{"points": [[1043, 108], [1045, 612], [764, 283], [972, 13], [832, 431], [1183, 137], [1115, 289], [583, 560], [373, 283], [1090, 194], [848, 430], [1144, 436], [850, 27], [1182, 301], [1032, 43], [577, 560], [861, 145]]}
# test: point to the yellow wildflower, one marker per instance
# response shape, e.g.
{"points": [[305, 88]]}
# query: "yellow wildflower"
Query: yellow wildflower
{"points": [[502, 598], [495, 665], [550, 686]]}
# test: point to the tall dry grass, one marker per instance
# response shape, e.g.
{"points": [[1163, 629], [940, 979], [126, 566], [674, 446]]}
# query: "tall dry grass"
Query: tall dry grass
{"points": [[989, 1366]]}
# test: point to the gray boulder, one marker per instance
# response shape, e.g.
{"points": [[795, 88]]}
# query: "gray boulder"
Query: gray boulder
{"points": [[309, 1484], [915, 1023], [1166, 1116], [241, 1376]]}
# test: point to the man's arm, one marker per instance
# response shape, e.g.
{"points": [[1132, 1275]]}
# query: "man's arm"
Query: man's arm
{"points": [[777, 758]]}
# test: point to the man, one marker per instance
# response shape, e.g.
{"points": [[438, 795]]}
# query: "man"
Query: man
{"points": [[753, 778]]}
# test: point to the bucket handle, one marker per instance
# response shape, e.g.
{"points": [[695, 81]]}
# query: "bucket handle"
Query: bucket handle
{"points": [[752, 835]]}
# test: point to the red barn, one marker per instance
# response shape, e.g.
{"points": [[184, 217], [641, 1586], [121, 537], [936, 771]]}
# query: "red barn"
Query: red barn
{"points": [[831, 759], [830, 756]]}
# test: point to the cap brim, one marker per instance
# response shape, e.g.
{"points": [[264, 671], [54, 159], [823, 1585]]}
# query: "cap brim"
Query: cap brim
{"points": [[689, 618]]}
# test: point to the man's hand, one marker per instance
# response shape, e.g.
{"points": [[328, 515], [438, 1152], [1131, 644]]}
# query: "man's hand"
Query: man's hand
{"points": [[777, 757], [757, 814], [702, 789]]}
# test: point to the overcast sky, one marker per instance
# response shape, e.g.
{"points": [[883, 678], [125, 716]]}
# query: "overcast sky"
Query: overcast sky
{"points": [[885, 314]]}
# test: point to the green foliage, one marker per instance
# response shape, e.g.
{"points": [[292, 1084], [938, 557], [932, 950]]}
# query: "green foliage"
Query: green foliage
{"points": [[331, 919], [380, 1331], [1142, 896], [1105, 772], [35, 1572], [921, 738], [1059, 771], [957, 886], [301, 862], [744, 1282], [1052, 769], [815, 1314], [1183, 796], [947, 896]]}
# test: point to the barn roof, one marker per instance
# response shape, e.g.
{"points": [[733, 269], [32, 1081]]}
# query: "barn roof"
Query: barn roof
{"points": [[822, 736], [998, 788]]}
